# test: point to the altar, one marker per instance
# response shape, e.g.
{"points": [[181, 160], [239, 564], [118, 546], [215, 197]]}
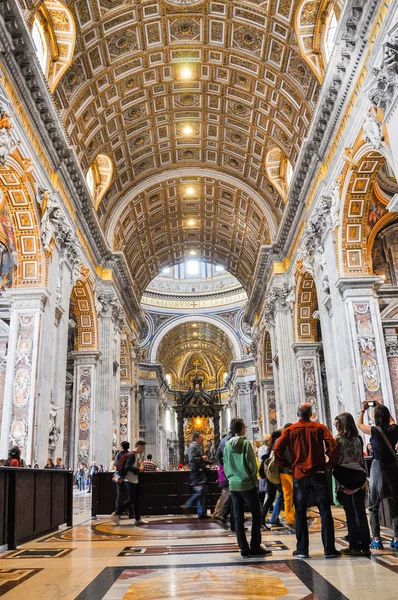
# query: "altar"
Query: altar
{"points": [[198, 411]]}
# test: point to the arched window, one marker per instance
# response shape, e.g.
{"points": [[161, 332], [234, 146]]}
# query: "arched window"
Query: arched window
{"points": [[90, 180], [279, 170], [329, 35], [99, 178], [40, 43], [54, 36], [316, 30]]}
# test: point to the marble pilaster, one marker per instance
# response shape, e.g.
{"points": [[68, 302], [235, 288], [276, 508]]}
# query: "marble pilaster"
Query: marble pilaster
{"points": [[4, 334], [366, 342], [125, 408], [310, 379], [270, 420], [84, 430], [107, 385], [27, 389]]}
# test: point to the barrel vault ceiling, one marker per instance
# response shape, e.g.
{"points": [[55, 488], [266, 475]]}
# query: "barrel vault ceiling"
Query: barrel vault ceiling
{"points": [[125, 96]]}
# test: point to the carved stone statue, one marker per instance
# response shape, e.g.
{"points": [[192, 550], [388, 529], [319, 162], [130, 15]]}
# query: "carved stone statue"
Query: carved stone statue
{"points": [[54, 431], [372, 130], [335, 206], [7, 144], [384, 89]]}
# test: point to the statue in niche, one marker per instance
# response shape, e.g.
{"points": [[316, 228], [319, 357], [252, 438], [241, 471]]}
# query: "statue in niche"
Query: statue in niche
{"points": [[54, 429]]}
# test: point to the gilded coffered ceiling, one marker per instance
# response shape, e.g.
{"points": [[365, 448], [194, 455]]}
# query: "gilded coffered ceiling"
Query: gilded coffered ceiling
{"points": [[219, 222], [166, 85], [195, 345]]}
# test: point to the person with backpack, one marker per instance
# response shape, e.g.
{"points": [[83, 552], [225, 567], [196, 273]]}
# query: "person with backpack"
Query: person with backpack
{"points": [[14, 458], [383, 482], [126, 477], [240, 467], [309, 444]]}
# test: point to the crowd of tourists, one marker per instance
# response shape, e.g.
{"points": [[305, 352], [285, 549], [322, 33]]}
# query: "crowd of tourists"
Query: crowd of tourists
{"points": [[300, 465]]}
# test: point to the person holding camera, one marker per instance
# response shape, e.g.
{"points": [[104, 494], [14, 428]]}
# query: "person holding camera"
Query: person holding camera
{"points": [[383, 483]]}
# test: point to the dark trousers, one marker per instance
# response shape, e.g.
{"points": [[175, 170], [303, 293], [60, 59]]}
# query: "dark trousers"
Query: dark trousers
{"points": [[238, 502], [131, 501], [317, 482], [357, 522]]}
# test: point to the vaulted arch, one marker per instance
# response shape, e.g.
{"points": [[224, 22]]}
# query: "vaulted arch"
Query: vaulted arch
{"points": [[54, 36], [305, 323], [19, 222], [82, 300], [362, 208]]}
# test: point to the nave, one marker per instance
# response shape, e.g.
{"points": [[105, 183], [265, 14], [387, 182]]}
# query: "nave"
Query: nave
{"points": [[181, 558]]}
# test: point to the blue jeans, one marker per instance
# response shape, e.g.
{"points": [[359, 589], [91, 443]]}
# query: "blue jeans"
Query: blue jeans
{"points": [[201, 498], [318, 483], [277, 507]]}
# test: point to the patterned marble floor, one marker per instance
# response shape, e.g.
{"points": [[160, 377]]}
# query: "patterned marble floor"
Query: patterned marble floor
{"points": [[181, 558]]}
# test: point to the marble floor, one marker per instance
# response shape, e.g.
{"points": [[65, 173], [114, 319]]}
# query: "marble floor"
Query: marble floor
{"points": [[183, 558]]}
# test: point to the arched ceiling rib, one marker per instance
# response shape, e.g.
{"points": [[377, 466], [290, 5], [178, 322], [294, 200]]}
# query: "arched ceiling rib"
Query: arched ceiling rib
{"points": [[123, 95]]}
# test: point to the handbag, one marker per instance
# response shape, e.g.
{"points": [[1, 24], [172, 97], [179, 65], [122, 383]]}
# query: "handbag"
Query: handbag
{"points": [[271, 470]]}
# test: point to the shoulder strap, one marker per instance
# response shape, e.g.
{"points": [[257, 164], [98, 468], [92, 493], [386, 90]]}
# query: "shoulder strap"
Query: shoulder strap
{"points": [[387, 442]]}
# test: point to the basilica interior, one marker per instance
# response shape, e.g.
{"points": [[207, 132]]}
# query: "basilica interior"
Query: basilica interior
{"points": [[198, 221]]}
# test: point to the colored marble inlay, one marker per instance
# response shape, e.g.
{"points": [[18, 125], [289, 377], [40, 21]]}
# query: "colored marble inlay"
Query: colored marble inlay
{"points": [[38, 553], [194, 549], [11, 578], [162, 529], [263, 580]]}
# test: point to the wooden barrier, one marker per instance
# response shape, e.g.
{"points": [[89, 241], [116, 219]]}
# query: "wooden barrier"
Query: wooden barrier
{"points": [[33, 502], [160, 492]]}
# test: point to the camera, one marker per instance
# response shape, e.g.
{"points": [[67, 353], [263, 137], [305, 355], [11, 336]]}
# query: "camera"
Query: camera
{"points": [[371, 404]]}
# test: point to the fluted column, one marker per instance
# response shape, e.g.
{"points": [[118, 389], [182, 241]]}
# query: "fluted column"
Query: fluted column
{"points": [[150, 395], [243, 390], [289, 396]]}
